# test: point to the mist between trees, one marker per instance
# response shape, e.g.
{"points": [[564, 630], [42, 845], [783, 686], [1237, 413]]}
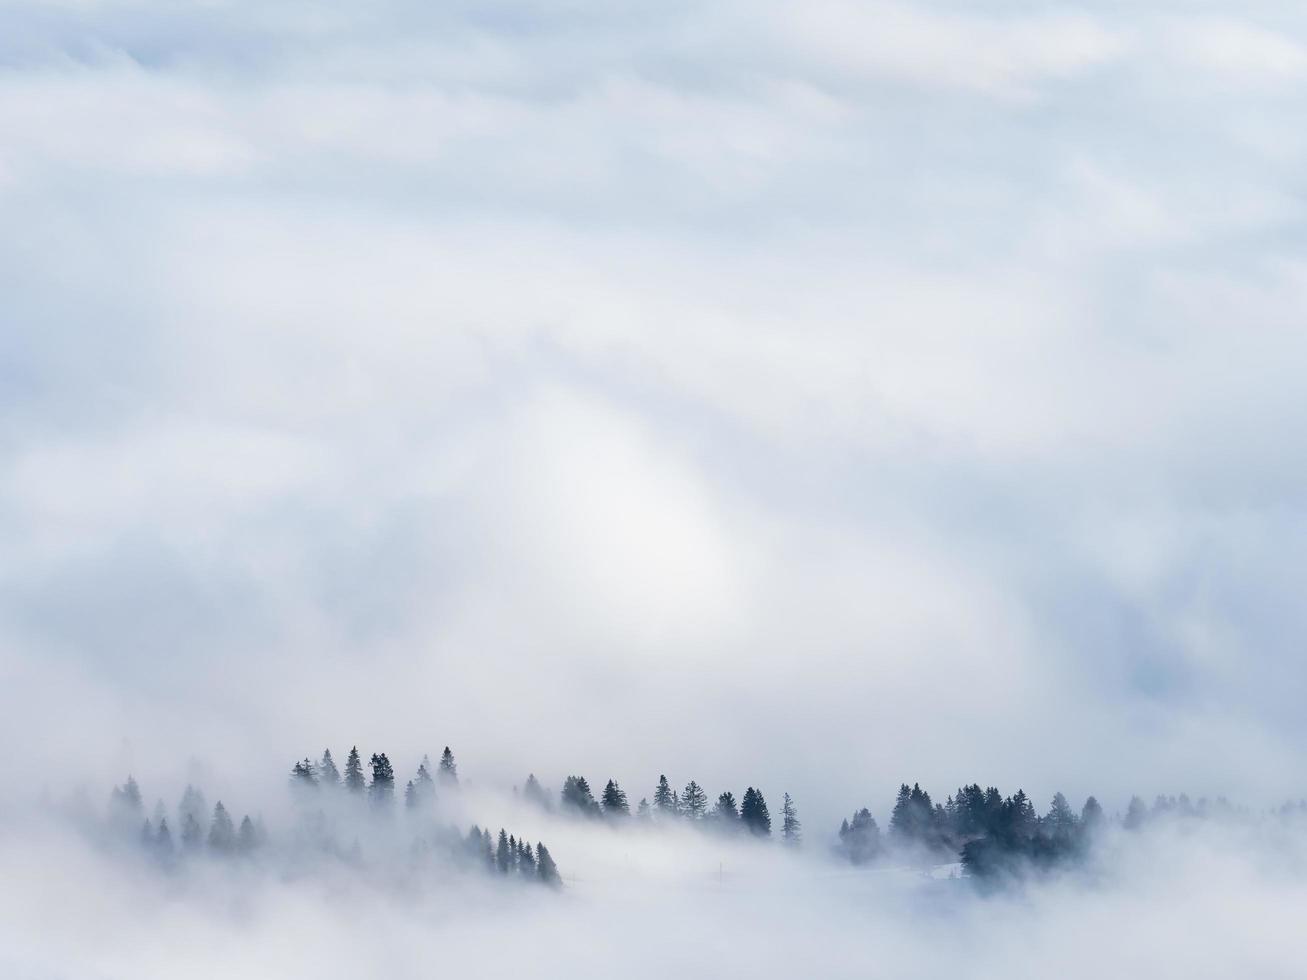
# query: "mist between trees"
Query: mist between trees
{"points": [[355, 817]]}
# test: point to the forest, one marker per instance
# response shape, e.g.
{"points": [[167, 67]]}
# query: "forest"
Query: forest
{"points": [[995, 840]]}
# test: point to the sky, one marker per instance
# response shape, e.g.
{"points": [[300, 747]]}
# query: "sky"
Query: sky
{"points": [[813, 397]]}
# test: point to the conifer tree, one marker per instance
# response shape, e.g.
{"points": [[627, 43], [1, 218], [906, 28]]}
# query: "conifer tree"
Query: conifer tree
{"points": [[303, 775], [424, 785], [860, 839], [614, 800], [1135, 815], [643, 811], [193, 805], [545, 867], [354, 780], [1091, 815], [247, 838], [535, 793], [192, 835], [791, 828], [382, 790], [577, 798], [448, 770], [163, 838], [754, 814], [1061, 821], [526, 866], [147, 834], [664, 799], [725, 814], [222, 835], [328, 774], [694, 801], [410, 796], [503, 856]]}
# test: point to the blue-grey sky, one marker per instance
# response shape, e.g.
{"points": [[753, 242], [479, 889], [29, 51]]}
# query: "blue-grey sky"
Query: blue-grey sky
{"points": [[816, 396]]}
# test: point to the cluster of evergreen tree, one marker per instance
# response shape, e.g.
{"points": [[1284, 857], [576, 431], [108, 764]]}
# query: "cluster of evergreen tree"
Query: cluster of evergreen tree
{"points": [[200, 831], [750, 816], [374, 785], [511, 857], [997, 836]]}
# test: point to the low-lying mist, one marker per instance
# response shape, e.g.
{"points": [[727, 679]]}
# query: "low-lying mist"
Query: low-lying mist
{"points": [[333, 880]]}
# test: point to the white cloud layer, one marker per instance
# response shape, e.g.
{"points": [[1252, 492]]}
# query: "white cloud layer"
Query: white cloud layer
{"points": [[814, 396]]}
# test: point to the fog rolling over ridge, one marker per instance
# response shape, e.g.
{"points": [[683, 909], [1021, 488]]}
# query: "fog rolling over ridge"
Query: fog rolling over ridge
{"points": [[789, 399]]}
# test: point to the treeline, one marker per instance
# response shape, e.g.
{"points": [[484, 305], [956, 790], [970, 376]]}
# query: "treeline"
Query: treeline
{"points": [[314, 784], [750, 816], [996, 836]]}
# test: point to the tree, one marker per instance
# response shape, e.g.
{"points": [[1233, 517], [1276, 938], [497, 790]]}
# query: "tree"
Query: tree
{"points": [[1135, 814], [614, 800], [725, 814], [423, 785], [546, 868], [354, 781], [448, 770], [900, 818], [192, 835], [526, 861], [1091, 816], [694, 801], [791, 828], [576, 797], [163, 838], [503, 856], [644, 811], [382, 790], [1061, 820], [859, 838], [410, 796], [222, 835], [247, 838], [303, 775], [192, 805], [664, 799], [753, 813], [328, 774], [535, 793]]}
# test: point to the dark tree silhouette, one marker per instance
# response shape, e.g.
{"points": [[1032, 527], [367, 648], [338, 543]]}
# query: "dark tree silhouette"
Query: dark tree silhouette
{"points": [[546, 868], [859, 838], [614, 800], [754, 814], [535, 793], [382, 790], [503, 855], [448, 770], [664, 799], [725, 814], [354, 781], [577, 798]]}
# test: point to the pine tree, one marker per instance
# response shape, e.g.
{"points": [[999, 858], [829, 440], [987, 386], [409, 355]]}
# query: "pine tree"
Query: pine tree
{"points": [[526, 865], [328, 774], [791, 828], [382, 790], [247, 838], [163, 838], [192, 805], [1135, 814], [643, 811], [147, 834], [424, 785], [694, 801], [222, 835], [192, 835], [664, 799], [503, 856], [448, 770], [410, 796], [900, 819], [1091, 815], [577, 798], [614, 800], [1060, 821], [535, 793], [303, 775], [754, 814], [725, 814], [546, 868], [354, 781], [860, 839]]}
